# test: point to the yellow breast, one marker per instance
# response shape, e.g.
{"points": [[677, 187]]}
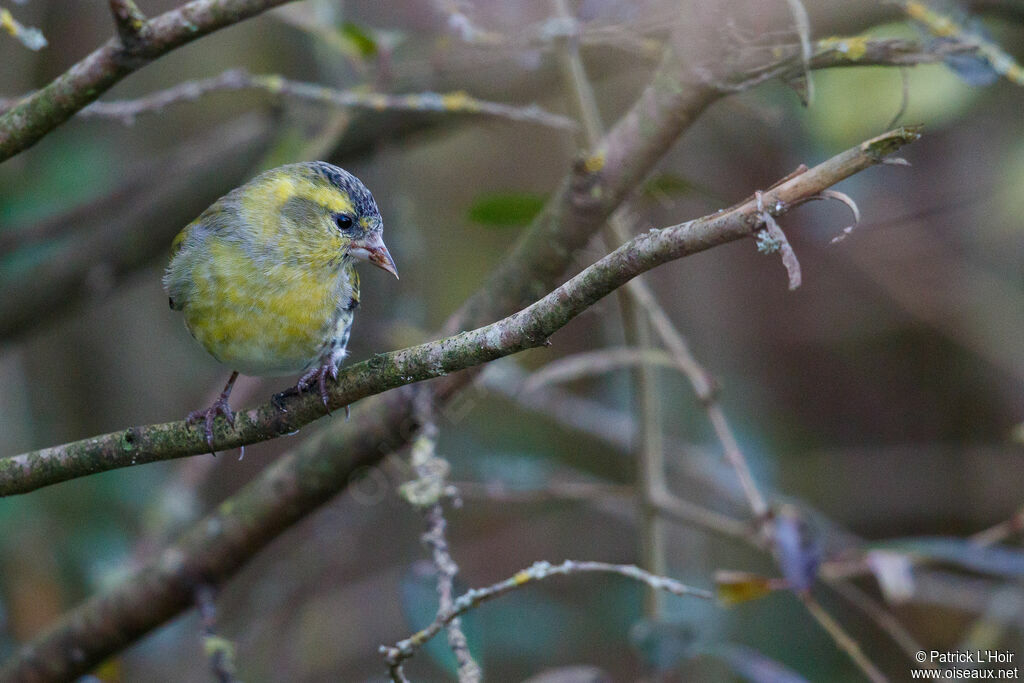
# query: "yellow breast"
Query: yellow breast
{"points": [[260, 318]]}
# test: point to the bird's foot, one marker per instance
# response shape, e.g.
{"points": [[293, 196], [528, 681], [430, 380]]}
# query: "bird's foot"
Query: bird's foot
{"points": [[206, 417], [318, 377]]}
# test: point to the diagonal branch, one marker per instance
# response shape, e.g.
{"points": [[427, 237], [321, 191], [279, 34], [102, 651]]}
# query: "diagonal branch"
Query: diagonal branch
{"points": [[528, 328], [37, 114]]}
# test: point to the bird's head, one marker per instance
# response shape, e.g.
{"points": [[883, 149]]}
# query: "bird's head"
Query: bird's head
{"points": [[324, 215]]}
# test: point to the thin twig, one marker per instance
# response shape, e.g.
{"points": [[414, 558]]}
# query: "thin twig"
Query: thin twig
{"points": [[850, 51], [904, 97], [665, 503], [617, 429], [945, 25], [845, 642], [582, 491], [589, 363], [431, 471], [802, 24], [586, 415], [30, 37], [670, 505], [403, 649], [883, 618], [705, 389], [1001, 531], [772, 239], [238, 79], [219, 650], [35, 115], [460, 24]]}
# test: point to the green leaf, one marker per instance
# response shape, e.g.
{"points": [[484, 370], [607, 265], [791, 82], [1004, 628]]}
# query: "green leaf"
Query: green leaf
{"points": [[506, 210], [361, 43]]}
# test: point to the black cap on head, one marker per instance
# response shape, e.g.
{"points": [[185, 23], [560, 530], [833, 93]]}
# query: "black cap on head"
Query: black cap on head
{"points": [[361, 198]]}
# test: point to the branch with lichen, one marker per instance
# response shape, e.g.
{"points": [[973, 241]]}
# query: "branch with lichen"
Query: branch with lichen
{"points": [[30, 37], [529, 328], [944, 25], [787, 62], [38, 113], [239, 79], [396, 654]]}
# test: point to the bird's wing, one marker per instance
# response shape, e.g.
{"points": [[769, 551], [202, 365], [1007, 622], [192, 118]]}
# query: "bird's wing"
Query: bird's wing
{"points": [[353, 279], [218, 218], [180, 238]]}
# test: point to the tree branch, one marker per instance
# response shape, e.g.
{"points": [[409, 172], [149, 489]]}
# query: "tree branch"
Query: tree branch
{"points": [[404, 649], [528, 328], [37, 114], [239, 79]]}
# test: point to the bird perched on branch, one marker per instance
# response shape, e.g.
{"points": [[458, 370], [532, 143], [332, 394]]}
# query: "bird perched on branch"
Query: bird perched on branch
{"points": [[266, 280]]}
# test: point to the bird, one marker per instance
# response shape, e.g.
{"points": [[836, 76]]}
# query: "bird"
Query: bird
{"points": [[265, 277]]}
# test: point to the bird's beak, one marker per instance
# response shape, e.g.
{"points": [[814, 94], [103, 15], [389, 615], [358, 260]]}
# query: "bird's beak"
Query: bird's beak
{"points": [[372, 249]]}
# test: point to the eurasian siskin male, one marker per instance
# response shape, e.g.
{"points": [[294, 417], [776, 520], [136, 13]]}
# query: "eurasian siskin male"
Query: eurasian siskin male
{"points": [[265, 277]]}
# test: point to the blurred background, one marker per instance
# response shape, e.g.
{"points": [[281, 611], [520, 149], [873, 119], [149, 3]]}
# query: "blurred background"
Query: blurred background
{"points": [[884, 397]]}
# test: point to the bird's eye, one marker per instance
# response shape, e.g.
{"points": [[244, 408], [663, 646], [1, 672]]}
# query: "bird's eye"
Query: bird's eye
{"points": [[344, 221]]}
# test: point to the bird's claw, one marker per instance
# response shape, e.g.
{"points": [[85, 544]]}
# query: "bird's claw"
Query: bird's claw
{"points": [[206, 417], [318, 377]]}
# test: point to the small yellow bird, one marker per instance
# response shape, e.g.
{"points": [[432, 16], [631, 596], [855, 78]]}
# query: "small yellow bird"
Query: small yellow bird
{"points": [[265, 277]]}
